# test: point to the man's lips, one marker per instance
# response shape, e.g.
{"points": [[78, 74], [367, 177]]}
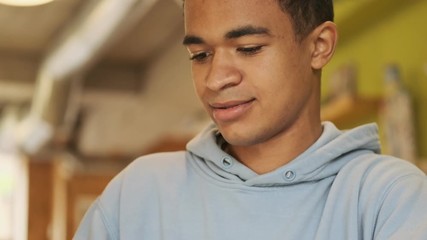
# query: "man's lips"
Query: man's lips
{"points": [[230, 110], [229, 104]]}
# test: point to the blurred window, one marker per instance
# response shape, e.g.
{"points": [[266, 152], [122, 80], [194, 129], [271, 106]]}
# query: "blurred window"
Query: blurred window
{"points": [[13, 197]]}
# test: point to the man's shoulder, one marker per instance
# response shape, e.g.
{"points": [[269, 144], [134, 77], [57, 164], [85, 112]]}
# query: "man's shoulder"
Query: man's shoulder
{"points": [[384, 165], [163, 163], [146, 173], [159, 159], [377, 172], [380, 166]]}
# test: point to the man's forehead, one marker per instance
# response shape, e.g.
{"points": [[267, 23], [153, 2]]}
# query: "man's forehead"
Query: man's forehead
{"points": [[237, 5], [209, 21], [238, 32]]}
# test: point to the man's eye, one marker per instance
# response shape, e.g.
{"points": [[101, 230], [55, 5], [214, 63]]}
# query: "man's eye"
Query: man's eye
{"points": [[249, 50], [200, 57]]}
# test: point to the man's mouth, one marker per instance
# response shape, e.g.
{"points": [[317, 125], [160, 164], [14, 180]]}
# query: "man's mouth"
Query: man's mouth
{"points": [[230, 104], [230, 110]]}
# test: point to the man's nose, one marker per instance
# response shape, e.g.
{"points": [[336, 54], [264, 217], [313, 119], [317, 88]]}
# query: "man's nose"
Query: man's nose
{"points": [[223, 72]]}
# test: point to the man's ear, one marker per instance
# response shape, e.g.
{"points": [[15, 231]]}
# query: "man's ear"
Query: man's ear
{"points": [[324, 40]]}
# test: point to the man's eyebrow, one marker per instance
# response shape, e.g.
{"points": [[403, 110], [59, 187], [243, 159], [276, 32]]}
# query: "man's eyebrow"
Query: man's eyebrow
{"points": [[245, 31], [233, 34], [190, 39]]}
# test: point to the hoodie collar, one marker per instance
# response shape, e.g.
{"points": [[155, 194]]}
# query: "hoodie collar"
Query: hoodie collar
{"points": [[324, 158]]}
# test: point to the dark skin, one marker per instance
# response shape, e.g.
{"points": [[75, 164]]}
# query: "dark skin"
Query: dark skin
{"points": [[257, 82]]}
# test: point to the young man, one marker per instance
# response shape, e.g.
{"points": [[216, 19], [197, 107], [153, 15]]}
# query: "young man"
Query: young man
{"points": [[267, 168]]}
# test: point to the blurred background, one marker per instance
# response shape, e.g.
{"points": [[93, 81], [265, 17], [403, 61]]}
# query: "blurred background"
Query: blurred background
{"points": [[86, 86]]}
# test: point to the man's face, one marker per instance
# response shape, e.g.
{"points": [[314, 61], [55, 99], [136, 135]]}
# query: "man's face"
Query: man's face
{"points": [[254, 79]]}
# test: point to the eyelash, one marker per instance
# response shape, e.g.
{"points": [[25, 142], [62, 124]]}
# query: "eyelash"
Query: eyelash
{"points": [[248, 51], [201, 57]]}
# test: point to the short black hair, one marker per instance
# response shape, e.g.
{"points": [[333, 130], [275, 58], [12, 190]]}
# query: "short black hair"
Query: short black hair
{"points": [[306, 15]]}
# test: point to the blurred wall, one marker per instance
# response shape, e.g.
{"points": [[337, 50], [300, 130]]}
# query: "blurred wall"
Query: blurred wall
{"points": [[129, 123], [400, 37], [16, 78]]}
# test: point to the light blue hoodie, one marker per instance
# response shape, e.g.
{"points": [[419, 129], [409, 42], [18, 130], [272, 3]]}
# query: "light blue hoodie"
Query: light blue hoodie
{"points": [[340, 188]]}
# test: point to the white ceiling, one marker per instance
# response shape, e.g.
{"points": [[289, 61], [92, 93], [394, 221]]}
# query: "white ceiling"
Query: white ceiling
{"points": [[32, 31]]}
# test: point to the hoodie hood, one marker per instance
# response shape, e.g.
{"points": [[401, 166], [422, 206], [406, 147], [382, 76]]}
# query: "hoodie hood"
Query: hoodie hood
{"points": [[325, 158]]}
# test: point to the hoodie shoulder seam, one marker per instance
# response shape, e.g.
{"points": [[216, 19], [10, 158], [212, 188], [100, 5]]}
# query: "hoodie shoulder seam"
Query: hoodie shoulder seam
{"points": [[108, 226]]}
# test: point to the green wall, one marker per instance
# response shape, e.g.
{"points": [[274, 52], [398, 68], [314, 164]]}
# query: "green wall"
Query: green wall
{"points": [[377, 34]]}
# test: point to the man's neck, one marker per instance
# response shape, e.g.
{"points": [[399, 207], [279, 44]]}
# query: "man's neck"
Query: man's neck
{"points": [[278, 151]]}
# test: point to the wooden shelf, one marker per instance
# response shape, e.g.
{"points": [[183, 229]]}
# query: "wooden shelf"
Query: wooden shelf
{"points": [[350, 109]]}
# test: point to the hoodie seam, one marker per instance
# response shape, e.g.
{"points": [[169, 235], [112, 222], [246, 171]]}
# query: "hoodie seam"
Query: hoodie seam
{"points": [[105, 221], [387, 192]]}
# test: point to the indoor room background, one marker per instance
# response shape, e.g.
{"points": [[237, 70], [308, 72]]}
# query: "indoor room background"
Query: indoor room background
{"points": [[86, 86]]}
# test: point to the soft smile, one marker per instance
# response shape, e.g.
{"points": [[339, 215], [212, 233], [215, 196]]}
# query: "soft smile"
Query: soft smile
{"points": [[231, 110]]}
